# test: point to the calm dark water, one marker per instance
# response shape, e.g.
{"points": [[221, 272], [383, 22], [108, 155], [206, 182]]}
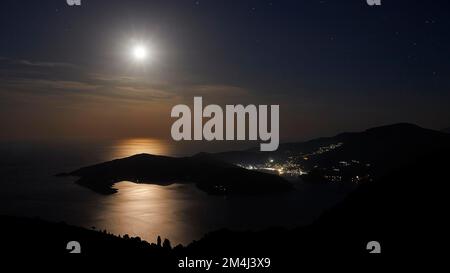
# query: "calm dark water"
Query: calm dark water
{"points": [[181, 213]]}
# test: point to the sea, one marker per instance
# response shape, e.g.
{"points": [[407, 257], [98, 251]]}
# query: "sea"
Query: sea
{"points": [[180, 212]]}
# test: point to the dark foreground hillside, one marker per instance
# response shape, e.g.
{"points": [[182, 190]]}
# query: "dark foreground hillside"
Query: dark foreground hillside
{"points": [[405, 212]]}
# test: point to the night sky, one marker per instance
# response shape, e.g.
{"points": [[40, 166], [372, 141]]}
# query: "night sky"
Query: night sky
{"points": [[332, 66]]}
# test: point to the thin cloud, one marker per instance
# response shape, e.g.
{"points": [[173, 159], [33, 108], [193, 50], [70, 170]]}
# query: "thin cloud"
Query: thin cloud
{"points": [[46, 64], [38, 63], [54, 79]]}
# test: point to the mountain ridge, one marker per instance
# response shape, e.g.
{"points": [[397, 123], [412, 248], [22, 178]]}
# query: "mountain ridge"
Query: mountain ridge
{"points": [[385, 146]]}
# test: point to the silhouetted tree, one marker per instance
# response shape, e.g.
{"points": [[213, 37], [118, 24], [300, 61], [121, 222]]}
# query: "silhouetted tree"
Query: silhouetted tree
{"points": [[158, 241], [166, 244]]}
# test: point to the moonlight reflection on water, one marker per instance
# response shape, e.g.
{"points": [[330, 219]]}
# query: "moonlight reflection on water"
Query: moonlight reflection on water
{"points": [[148, 211], [131, 146]]}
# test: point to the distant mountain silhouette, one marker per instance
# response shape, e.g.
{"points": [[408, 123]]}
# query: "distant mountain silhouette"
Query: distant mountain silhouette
{"points": [[209, 174], [446, 130], [383, 147]]}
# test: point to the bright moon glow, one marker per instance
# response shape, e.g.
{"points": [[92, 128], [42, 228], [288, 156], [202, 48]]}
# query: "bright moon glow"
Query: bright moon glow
{"points": [[139, 52]]}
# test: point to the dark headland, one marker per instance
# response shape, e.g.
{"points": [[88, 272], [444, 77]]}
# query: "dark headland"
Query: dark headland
{"points": [[210, 175]]}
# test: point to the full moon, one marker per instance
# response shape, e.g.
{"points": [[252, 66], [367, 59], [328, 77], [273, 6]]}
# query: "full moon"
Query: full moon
{"points": [[139, 52]]}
